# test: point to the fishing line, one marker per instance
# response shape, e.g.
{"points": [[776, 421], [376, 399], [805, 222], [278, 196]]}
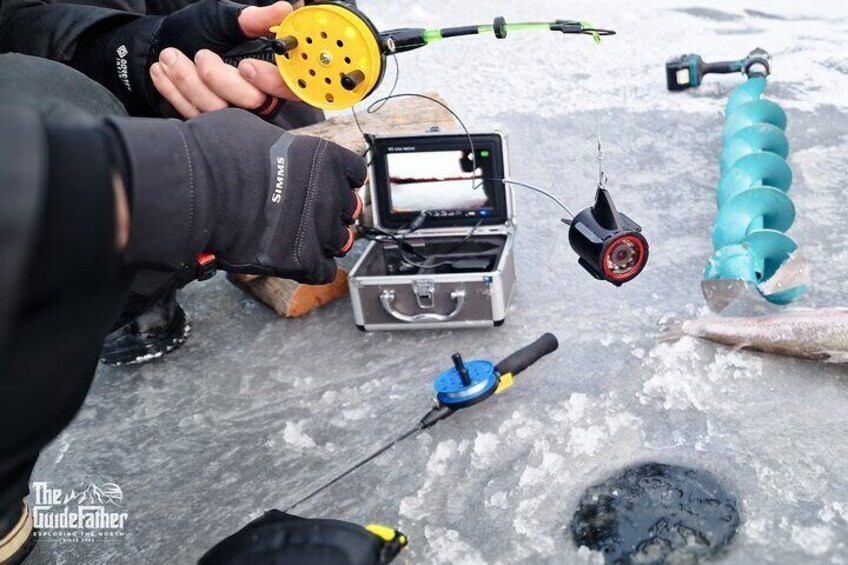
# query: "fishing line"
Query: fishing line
{"points": [[387, 446], [543, 192], [378, 105], [601, 194]]}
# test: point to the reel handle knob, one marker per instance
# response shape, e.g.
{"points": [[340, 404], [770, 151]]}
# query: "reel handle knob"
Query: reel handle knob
{"points": [[352, 79], [528, 355], [282, 45], [460, 368]]}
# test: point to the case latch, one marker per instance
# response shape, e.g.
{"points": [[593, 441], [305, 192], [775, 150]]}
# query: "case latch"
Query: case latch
{"points": [[425, 293]]}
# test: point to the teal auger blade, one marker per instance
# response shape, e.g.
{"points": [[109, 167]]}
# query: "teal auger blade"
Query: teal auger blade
{"points": [[762, 207], [752, 113], [773, 247], [734, 262], [752, 89], [756, 169], [753, 139], [754, 209]]}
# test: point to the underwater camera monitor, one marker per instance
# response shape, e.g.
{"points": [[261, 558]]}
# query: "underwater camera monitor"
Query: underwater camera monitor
{"points": [[435, 175]]}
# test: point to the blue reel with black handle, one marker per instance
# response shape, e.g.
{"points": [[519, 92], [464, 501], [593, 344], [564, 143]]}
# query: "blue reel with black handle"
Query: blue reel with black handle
{"points": [[461, 386], [468, 383]]}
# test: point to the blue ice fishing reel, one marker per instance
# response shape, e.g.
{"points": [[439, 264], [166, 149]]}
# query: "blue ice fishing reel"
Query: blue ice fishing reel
{"points": [[468, 383]]}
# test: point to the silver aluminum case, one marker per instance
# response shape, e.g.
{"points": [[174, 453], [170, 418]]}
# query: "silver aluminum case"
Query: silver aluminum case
{"points": [[486, 295]]}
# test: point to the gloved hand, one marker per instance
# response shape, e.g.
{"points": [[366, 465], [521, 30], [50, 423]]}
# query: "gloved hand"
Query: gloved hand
{"points": [[261, 200], [278, 538], [119, 52]]}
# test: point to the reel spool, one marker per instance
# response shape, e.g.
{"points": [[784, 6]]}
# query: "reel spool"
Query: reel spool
{"points": [[466, 383], [332, 57], [335, 58]]}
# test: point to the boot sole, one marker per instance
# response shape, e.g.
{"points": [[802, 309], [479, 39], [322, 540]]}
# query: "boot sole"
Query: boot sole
{"points": [[172, 339], [18, 544]]}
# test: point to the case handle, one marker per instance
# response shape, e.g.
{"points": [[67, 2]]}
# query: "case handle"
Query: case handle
{"points": [[387, 298]]}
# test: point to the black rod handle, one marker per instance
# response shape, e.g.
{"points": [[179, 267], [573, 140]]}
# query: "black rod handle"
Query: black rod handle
{"points": [[528, 355]]}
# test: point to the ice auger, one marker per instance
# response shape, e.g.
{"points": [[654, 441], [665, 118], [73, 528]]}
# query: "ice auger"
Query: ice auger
{"points": [[754, 210]]}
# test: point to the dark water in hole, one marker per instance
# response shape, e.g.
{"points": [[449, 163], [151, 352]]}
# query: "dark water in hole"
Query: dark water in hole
{"points": [[654, 513]]}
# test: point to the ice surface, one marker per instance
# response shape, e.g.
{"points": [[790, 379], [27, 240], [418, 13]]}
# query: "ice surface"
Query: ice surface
{"points": [[255, 411]]}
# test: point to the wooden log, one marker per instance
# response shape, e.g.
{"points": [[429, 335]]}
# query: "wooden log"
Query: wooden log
{"points": [[402, 115], [288, 298]]}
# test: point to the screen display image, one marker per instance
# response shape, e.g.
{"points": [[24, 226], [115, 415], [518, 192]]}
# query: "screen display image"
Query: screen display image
{"points": [[439, 180]]}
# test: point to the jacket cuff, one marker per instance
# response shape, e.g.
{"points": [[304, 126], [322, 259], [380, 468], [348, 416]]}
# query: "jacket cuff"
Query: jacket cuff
{"points": [[168, 197]]}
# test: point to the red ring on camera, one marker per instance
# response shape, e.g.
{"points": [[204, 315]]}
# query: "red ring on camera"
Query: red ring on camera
{"points": [[636, 269]]}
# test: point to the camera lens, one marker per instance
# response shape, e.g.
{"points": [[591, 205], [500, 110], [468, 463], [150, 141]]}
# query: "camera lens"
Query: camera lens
{"points": [[624, 258]]}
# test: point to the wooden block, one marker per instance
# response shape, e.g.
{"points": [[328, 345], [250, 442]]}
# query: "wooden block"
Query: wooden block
{"points": [[288, 298], [402, 115]]}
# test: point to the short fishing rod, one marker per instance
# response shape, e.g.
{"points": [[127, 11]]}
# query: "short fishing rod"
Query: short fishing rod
{"points": [[465, 384], [332, 56]]}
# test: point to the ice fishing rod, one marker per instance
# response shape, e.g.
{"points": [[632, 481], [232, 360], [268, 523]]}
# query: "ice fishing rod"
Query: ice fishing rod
{"points": [[332, 56], [465, 384], [754, 209]]}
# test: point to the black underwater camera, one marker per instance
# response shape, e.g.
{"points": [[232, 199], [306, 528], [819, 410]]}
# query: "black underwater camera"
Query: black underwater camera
{"points": [[610, 245]]}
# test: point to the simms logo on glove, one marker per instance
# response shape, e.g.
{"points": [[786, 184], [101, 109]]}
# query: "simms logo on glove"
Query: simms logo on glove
{"points": [[280, 184], [123, 69]]}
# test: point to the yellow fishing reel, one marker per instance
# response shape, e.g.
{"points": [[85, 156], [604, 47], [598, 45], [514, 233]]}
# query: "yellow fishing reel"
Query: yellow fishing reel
{"points": [[335, 60], [332, 57]]}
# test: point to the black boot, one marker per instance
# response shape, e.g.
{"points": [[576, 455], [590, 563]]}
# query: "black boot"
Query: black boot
{"points": [[16, 535], [146, 333]]}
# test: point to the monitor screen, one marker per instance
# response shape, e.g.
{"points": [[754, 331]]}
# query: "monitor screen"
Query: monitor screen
{"points": [[433, 176], [440, 181]]}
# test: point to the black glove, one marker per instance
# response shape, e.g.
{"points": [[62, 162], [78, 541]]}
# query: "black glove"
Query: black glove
{"points": [[261, 200], [278, 538], [119, 52]]}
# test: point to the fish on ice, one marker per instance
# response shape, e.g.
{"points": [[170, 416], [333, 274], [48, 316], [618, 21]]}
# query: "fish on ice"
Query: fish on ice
{"points": [[817, 334]]}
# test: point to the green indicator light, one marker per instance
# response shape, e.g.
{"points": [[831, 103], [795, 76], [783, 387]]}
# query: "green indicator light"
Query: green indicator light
{"points": [[484, 154]]}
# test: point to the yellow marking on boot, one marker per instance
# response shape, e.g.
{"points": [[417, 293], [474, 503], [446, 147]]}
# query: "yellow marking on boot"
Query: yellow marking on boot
{"points": [[17, 537], [385, 533], [504, 382]]}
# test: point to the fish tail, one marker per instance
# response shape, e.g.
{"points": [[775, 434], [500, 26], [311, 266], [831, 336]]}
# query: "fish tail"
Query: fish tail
{"points": [[670, 329]]}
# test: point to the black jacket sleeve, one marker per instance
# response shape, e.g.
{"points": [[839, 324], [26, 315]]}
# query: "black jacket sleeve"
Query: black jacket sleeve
{"points": [[66, 284], [22, 141], [117, 49], [35, 28]]}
